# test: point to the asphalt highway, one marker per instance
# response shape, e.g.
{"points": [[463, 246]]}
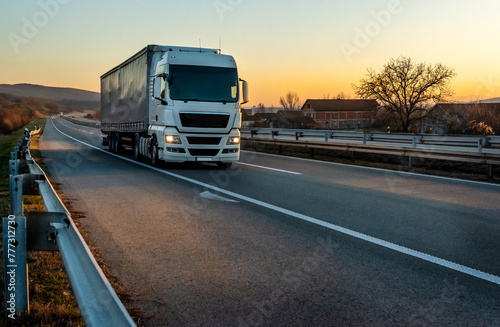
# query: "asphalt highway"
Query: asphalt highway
{"points": [[277, 241]]}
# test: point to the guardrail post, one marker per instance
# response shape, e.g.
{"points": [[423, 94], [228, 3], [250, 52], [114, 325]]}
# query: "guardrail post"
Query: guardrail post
{"points": [[15, 267], [297, 135], [490, 171], [416, 140], [13, 167], [367, 137], [483, 142], [479, 146], [328, 136], [16, 195], [23, 152], [40, 233], [274, 133]]}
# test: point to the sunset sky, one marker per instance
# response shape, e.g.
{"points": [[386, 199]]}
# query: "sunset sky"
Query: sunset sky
{"points": [[315, 48]]}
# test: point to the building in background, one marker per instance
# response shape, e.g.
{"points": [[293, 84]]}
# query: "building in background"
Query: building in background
{"points": [[452, 118], [279, 119], [340, 113]]}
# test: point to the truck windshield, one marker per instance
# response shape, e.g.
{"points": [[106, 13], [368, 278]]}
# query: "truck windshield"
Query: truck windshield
{"points": [[203, 83]]}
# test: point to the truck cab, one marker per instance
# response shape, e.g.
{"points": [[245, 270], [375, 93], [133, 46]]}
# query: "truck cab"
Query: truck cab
{"points": [[191, 99]]}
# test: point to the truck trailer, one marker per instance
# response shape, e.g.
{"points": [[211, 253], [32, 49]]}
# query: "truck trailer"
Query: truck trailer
{"points": [[176, 104]]}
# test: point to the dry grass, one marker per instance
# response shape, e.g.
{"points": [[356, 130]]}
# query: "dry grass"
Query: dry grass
{"points": [[12, 119], [52, 302]]}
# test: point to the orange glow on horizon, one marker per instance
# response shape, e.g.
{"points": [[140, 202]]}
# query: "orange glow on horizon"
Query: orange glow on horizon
{"points": [[274, 53]]}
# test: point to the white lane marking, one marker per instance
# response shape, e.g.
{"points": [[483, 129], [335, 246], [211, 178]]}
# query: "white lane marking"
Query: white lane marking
{"points": [[269, 168], [212, 196], [374, 168], [392, 246]]}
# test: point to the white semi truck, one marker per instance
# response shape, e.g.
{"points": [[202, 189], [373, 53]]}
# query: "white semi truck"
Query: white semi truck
{"points": [[176, 104]]}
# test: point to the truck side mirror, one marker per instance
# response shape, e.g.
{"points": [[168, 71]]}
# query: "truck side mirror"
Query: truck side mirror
{"points": [[245, 91], [159, 88]]}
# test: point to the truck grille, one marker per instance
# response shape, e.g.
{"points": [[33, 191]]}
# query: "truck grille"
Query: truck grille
{"points": [[204, 152], [204, 120], [204, 140]]}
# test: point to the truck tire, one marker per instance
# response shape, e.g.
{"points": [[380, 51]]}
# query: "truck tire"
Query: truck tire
{"points": [[154, 153], [137, 144], [110, 142], [117, 143]]}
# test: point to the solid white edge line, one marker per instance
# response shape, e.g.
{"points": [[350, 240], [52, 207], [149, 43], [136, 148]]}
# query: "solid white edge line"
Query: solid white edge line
{"points": [[269, 168], [212, 196], [398, 248]]}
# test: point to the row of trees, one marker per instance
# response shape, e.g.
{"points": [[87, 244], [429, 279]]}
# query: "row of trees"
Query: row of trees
{"points": [[405, 91]]}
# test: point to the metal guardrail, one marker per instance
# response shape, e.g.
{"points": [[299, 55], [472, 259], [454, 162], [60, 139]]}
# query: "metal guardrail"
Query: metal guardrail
{"points": [[51, 231], [87, 123], [327, 135], [454, 148]]}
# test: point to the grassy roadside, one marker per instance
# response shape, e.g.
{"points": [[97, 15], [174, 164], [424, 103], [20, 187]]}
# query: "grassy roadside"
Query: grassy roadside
{"points": [[7, 143], [51, 300]]}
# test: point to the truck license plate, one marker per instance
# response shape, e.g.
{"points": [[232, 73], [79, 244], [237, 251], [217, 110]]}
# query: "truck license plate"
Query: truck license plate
{"points": [[203, 159]]}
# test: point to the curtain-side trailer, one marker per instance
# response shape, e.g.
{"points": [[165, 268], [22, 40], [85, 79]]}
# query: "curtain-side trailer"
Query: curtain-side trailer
{"points": [[175, 104]]}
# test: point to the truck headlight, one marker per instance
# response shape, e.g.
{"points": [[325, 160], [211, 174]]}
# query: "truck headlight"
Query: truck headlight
{"points": [[233, 140], [173, 139]]}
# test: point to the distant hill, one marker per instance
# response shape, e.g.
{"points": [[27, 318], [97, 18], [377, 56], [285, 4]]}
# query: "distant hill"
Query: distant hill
{"points": [[20, 103], [493, 100], [79, 100]]}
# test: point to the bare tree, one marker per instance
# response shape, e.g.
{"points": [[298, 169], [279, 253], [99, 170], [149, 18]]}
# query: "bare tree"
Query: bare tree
{"points": [[261, 108], [405, 88], [341, 96], [290, 101]]}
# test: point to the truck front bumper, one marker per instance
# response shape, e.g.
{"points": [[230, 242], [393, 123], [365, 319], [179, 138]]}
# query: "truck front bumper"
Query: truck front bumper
{"points": [[202, 148]]}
